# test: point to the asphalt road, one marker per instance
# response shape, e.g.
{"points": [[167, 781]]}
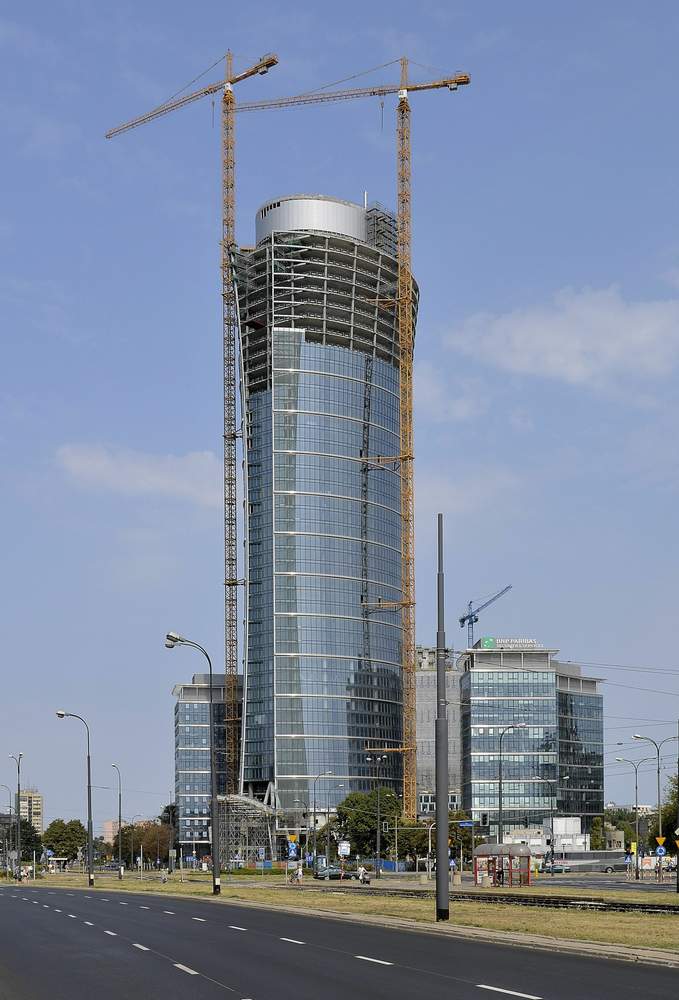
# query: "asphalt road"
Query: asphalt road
{"points": [[66, 945], [614, 881]]}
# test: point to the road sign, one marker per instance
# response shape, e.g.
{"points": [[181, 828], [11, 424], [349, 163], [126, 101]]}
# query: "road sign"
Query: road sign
{"points": [[292, 849], [261, 853], [660, 851], [465, 822], [344, 849], [660, 840]]}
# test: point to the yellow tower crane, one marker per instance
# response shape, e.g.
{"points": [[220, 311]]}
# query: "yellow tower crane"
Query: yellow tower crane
{"points": [[230, 334], [404, 305]]}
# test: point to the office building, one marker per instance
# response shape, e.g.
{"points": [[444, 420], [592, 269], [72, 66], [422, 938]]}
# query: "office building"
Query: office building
{"points": [[425, 692], [320, 391], [555, 763], [109, 830], [31, 809], [192, 756]]}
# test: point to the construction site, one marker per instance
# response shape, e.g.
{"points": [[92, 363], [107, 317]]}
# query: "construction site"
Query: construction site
{"points": [[319, 317]]}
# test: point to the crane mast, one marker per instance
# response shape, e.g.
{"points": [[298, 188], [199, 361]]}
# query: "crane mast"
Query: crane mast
{"points": [[405, 334], [230, 336]]}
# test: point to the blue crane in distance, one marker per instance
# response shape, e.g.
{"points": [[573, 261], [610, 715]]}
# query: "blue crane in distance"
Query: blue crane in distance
{"points": [[472, 615]]}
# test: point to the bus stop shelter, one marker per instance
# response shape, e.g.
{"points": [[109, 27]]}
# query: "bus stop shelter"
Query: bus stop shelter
{"points": [[502, 864]]}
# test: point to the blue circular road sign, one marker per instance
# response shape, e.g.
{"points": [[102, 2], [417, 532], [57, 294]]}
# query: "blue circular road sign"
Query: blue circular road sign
{"points": [[661, 851]]}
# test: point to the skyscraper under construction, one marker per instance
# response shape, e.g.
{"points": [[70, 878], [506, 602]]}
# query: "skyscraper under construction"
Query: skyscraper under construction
{"points": [[320, 389]]}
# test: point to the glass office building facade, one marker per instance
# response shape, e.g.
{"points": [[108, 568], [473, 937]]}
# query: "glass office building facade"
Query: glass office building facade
{"points": [[554, 762], [192, 757], [320, 390]]}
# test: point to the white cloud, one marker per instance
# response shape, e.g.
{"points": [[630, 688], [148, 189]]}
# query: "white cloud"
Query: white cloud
{"points": [[194, 477], [582, 337], [442, 399]]}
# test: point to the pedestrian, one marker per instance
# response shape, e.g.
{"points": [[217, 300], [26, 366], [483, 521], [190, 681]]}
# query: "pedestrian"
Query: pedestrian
{"points": [[299, 874]]}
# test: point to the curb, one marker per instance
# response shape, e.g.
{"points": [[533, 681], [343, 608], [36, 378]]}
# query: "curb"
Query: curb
{"points": [[534, 942]]}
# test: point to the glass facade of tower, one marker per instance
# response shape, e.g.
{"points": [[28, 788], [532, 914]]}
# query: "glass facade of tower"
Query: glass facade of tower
{"points": [[323, 518], [554, 762]]}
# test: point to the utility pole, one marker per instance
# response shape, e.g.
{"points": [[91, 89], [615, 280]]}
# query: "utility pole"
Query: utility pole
{"points": [[676, 832], [17, 760], [441, 737]]}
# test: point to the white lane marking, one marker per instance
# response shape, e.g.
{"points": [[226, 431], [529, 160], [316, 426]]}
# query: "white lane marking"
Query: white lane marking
{"points": [[45, 906], [25, 897], [379, 961], [88, 897], [140, 946], [72, 916], [89, 923], [185, 968], [111, 933], [35, 902], [69, 893], [292, 940], [144, 907], [56, 911], [511, 993], [104, 900], [201, 920], [121, 903], [50, 893], [169, 912], [235, 927]]}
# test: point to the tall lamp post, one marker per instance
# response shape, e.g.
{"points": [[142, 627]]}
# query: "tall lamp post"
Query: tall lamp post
{"points": [[635, 764], [658, 748], [378, 762], [120, 822], [323, 774], [61, 714], [172, 640], [17, 760], [500, 825], [8, 842]]}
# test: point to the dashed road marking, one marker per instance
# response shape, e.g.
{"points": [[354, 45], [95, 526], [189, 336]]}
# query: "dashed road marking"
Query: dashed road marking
{"points": [[73, 916], [292, 940], [121, 903], [378, 961], [111, 933], [140, 946], [185, 968], [144, 907], [511, 993], [105, 900], [201, 920], [35, 902], [235, 927], [45, 906], [89, 923], [169, 912], [56, 911]]}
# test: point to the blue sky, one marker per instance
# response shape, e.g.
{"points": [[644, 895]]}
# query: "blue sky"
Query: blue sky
{"points": [[546, 249]]}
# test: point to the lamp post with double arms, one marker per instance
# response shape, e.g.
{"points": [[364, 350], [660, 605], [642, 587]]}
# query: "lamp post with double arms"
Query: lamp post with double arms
{"points": [[172, 640], [17, 760], [500, 825], [90, 844], [658, 748], [378, 762], [635, 764], [323, 774], [120, 822]]}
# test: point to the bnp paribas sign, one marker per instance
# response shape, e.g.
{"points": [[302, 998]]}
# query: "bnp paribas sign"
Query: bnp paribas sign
{"points": [[489, 642]]}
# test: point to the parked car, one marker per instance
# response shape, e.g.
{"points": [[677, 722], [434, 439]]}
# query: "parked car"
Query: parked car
{"points": [[335, 872], [614, 865], [554, 867]]}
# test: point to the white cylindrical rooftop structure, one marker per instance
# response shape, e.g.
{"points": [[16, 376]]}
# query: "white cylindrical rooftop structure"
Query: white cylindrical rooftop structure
{"points": [[312, 211]]}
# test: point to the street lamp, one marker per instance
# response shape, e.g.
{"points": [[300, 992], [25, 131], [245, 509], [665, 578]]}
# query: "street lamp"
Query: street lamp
{"points": [[172, 640], [323, 774], [378, 762], [658, 748], [120, 822], [90, 847], [17, 760], [303, 802], [635, 765], [136, 816], [500, 826]]}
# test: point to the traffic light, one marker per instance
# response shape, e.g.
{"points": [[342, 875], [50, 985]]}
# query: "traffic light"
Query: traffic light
{"points": [[484, 820], [385, 826]]}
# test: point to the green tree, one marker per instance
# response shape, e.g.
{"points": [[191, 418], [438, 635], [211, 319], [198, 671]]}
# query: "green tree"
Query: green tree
{"points": [[597, 837], [65, 838], [30, 841], [670, 820]]}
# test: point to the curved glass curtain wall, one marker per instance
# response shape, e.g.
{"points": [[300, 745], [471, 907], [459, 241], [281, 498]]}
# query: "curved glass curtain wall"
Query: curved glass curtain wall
{"points": [[321, 384]]}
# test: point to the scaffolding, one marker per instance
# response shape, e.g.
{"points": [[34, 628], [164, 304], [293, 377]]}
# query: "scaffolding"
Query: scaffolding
{"points": [[247, 830]]}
